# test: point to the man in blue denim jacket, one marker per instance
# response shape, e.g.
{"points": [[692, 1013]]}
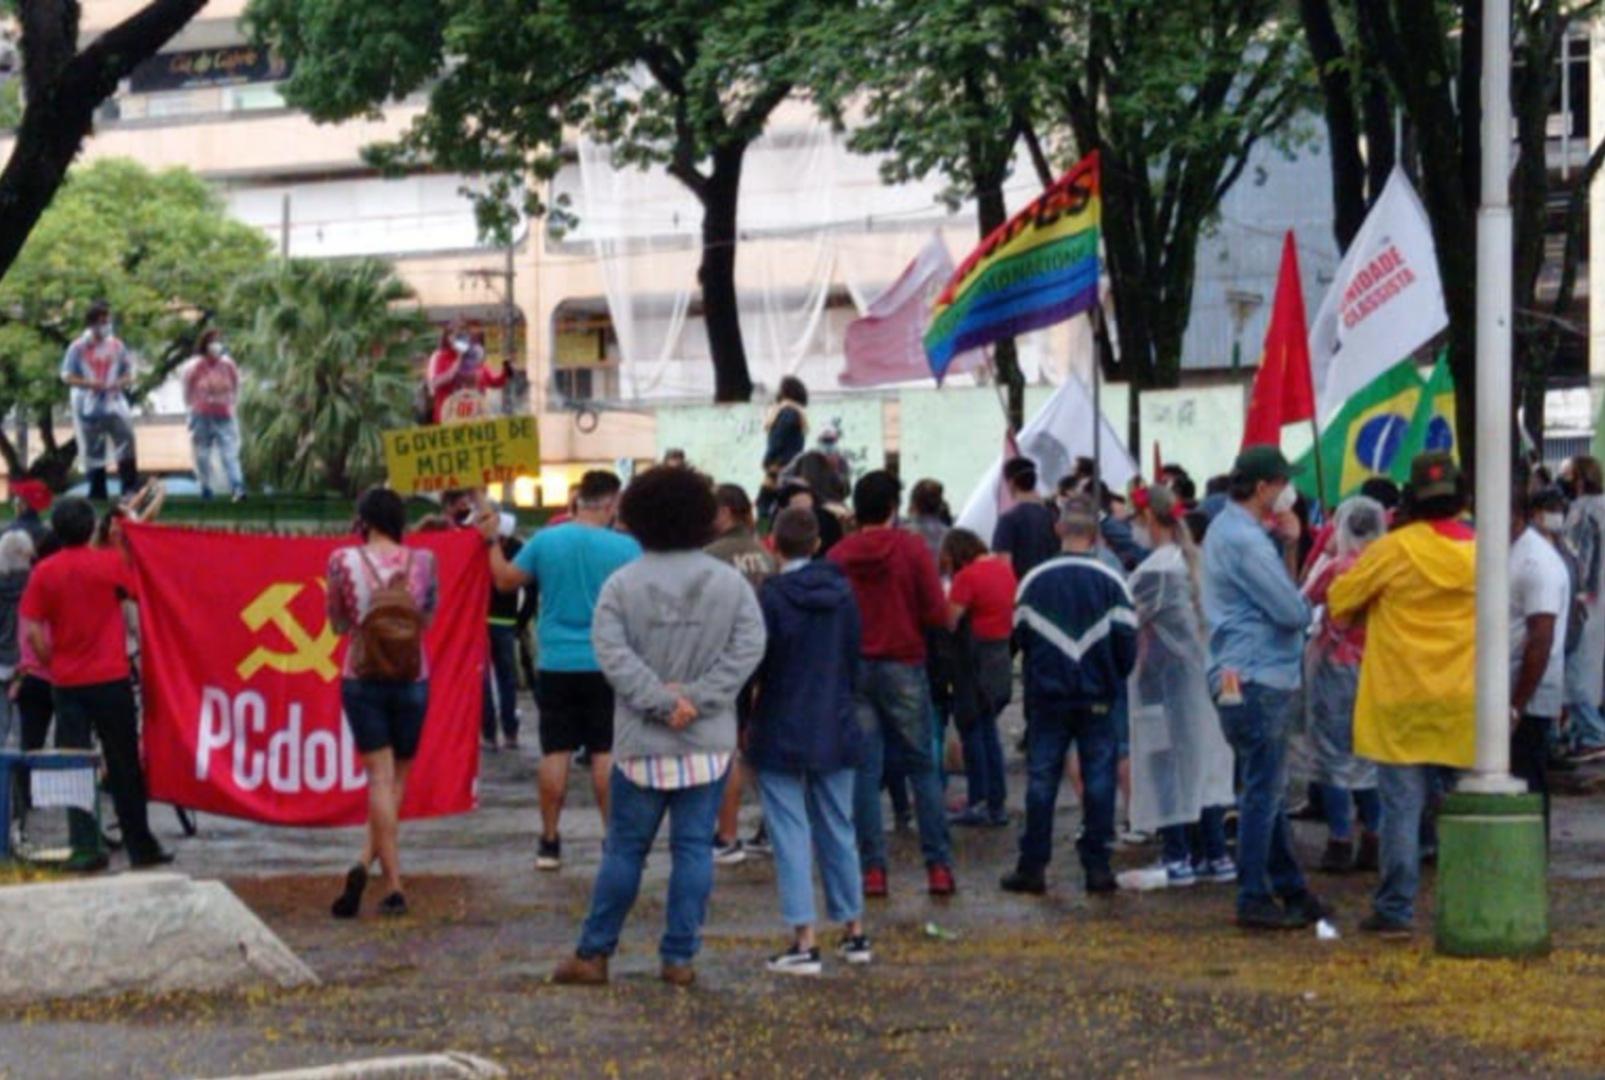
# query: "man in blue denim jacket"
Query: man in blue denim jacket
{"points": [[1257, 620]]}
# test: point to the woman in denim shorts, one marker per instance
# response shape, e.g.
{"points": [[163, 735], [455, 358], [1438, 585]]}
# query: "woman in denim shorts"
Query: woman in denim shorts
{"points": [[386, 717]]}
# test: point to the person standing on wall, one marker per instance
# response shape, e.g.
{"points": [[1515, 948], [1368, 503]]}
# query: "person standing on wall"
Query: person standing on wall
{"points": [[211, 393], [99, 372]]}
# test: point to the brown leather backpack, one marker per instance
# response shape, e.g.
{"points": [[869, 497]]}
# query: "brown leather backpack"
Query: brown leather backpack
{"points": [[389, 643]]}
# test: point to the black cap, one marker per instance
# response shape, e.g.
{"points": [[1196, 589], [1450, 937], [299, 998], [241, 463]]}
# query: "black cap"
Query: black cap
{"points": [[1433, 476], [1263, 463]]}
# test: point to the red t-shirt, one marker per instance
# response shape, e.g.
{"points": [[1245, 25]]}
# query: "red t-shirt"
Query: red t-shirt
{"points": [[986, 587], [77, 594]]}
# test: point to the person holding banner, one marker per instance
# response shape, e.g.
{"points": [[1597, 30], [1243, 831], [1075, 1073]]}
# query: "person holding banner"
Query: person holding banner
{"points": [[677, 634], [567, 565], [383, 595], [73, 618]]}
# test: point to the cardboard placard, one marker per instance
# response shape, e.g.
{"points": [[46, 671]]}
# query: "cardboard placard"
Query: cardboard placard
{"points": [[476, 453]]}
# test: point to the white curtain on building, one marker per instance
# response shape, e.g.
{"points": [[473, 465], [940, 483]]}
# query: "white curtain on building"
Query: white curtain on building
{"points": [[816, 223]]}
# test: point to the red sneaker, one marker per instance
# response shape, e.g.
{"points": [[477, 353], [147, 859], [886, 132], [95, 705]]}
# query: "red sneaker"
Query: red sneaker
{"points": [[875, 882], [939, 879]]}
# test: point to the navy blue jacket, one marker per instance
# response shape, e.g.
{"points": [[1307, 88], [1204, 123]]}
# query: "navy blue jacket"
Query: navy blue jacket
{"points": [[805, 717], [1078, 626]]}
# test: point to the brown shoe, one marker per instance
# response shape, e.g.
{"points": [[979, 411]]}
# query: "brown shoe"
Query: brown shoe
{"points": [[581, 971], [681, 975]]}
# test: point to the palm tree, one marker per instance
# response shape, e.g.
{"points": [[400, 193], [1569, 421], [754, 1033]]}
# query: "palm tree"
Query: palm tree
{"points": [[332, 347]]}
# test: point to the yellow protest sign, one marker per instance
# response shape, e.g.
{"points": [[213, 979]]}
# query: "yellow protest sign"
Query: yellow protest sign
{"points": [[471, 454]]}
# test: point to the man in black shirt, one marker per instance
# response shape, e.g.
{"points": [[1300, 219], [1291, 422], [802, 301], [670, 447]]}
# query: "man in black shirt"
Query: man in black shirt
{"points": [[1026, 533]]}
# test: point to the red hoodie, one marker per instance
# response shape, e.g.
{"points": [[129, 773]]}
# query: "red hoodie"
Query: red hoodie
{"points": [[899, 594]]}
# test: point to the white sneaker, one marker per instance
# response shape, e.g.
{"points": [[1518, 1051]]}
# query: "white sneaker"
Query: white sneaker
{"points": [[796, 961], [855, 950], [1147, 879], [732, 854]]}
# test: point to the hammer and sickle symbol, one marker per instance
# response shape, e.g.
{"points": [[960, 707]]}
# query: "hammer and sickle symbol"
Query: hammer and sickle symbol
{"points": [[272, 606]]}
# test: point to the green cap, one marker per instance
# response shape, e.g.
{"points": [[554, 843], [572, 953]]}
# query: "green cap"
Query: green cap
{"points": [[1434, 475], [1263, 463]]}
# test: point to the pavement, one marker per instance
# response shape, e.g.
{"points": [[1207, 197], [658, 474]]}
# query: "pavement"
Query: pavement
{"points": [[981, 984]]}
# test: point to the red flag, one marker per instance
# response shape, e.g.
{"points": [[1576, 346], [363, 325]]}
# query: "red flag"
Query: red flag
{"points": [[1282, 390], [240, 672]]}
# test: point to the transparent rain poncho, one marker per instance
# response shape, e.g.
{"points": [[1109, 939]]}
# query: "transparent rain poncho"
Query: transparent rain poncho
{"points": [[1180, 761], [1332, 661]]}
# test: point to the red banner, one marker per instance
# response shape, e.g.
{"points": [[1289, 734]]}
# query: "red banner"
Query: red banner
{"points": [[241, 674]]}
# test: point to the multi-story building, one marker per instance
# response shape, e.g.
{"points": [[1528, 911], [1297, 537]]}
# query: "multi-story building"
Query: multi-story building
{"points": [[601, 301]]}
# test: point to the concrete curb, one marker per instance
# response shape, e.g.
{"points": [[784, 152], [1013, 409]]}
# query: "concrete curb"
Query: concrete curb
{"points": [[448, 1065], [135, 932]]}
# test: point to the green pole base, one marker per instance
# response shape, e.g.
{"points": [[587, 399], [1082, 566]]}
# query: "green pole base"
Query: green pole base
{"points": [[1493, 865]]}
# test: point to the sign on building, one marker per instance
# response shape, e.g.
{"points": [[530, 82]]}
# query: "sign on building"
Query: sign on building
{"points": [[233, 65]]}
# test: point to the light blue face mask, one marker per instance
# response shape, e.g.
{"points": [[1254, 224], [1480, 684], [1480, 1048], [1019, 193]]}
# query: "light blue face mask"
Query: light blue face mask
{"points": [[461, 345]]}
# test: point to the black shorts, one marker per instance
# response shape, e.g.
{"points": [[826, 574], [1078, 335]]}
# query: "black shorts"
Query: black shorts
{"points": [[576, 710], [386, 715]]}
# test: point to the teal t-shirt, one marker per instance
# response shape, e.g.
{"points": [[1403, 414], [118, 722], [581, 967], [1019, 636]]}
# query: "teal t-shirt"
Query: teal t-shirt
{"points": [[569, 563]]}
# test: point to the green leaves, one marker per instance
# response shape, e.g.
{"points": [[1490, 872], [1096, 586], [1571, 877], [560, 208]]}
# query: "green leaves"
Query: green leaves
{"points": [[157, 246], [332, 349]]}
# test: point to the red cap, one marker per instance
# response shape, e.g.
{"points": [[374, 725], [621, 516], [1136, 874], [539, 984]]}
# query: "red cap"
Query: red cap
{"points": [[32, 492]]}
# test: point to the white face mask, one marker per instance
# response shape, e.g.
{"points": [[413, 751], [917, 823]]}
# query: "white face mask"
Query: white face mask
{"points": [[1284, 500], [102, 331], [214, 348], [460, 345], [1551, 522]]}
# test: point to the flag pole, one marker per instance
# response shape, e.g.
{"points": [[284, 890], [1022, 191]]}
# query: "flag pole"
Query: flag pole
{"points": [[1003, 401], [1320, 472], [1098, 336]]}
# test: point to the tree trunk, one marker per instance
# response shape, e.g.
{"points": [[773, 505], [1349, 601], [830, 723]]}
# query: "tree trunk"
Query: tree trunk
{"points": [[717, 275], [992, 212], [1342, 124], [62, 91]]}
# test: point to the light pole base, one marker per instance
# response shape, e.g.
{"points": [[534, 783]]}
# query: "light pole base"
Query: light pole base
{"points": [[1493, 864]]}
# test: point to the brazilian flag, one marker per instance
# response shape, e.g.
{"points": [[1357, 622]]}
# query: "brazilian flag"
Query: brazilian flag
{"points": [[1367, 436], [1433, 429]]}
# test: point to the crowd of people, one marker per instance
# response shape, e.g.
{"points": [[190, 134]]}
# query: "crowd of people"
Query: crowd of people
{"points": [[1209, 660]]}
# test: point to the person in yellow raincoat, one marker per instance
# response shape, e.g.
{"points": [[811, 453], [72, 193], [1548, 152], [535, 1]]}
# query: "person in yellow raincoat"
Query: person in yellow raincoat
{"points": [[1415, 713]]}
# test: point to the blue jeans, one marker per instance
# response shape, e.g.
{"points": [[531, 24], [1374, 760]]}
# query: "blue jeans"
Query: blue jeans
{"points": [[1048, 740], [894, 709], [1405, 791], [501, 675], [220, 434], [809, 812], [983, 765], [1211, 846], [1257, 730], [632, 824], [1335, 804]]}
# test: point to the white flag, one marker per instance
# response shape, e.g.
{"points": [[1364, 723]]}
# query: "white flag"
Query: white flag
{"points": [[887, 345], [1386, 302], [1055, 437]]}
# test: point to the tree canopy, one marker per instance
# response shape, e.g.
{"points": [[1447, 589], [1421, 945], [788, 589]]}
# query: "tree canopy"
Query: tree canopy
{"points": [[332, 350], [1423, 60], [62, 87], [685, 84], [157, 246]]}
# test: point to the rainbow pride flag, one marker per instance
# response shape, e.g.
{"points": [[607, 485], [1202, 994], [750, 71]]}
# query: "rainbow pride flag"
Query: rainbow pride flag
{"points": [[1039, 268]]}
